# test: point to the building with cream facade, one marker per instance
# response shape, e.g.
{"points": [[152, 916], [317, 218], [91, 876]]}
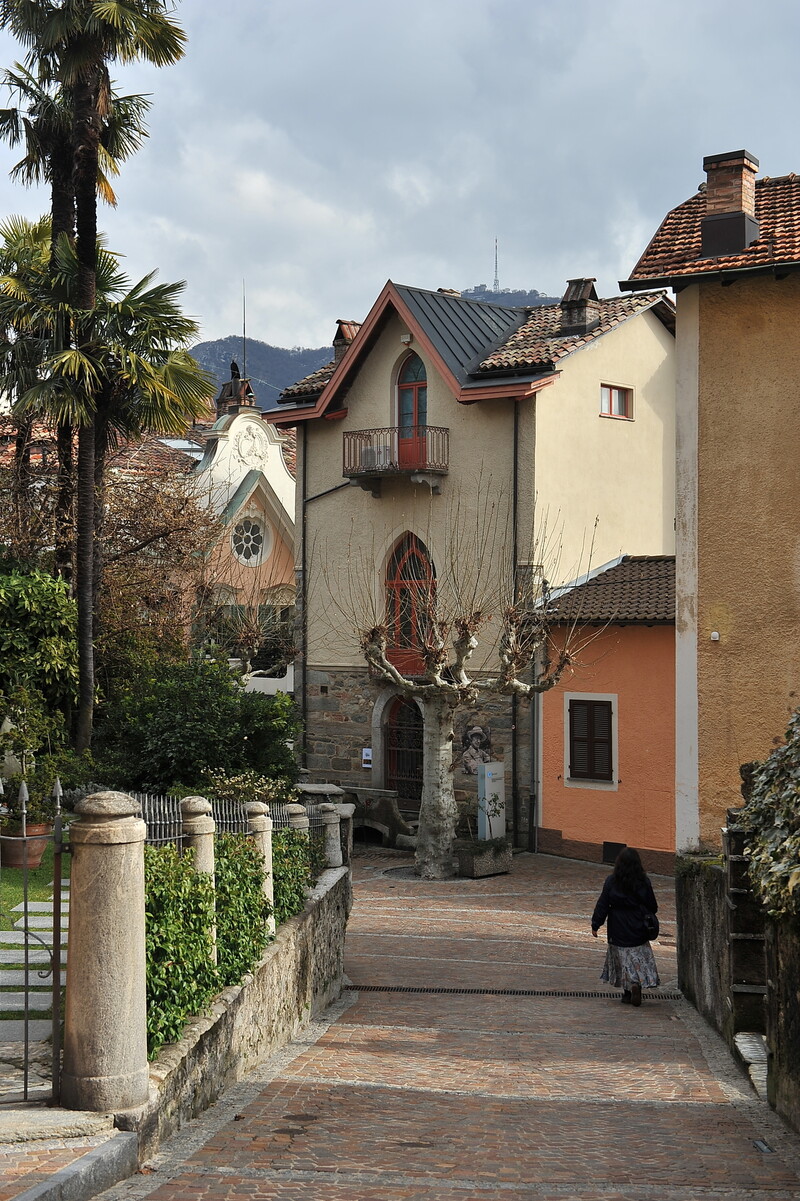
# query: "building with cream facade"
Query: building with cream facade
{"points": [[434, 411]]}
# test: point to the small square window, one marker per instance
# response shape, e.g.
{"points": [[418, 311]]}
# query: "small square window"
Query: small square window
{"points": [[615, 401]]}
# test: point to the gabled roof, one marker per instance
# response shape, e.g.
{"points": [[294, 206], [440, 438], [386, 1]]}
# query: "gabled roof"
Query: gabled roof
{"points": [[482, 350], [634, 590], [674, 252]]}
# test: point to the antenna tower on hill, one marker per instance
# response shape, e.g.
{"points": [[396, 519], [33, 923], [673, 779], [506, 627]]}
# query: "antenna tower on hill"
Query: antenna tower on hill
{"points": [[496, 285]]}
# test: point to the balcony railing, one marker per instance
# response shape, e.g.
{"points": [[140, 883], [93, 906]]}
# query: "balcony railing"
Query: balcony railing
{"points": [[398, 450]]}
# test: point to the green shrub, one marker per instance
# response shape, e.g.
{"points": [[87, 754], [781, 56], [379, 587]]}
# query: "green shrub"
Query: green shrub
{"points": [[38, 636], [242, 908], [244, 786], [291, 870], [179, 911], [177, 722], [772, 818]]}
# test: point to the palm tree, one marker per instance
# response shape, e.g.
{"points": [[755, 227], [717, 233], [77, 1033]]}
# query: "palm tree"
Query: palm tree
{"points": [[139, 376], [72, 42], [43, 122]]}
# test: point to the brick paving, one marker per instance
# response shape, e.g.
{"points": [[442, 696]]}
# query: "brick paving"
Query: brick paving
{"points": [[24, 1165], [448, 1096]]}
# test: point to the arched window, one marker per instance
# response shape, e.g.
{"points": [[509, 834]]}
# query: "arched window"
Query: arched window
{"points": [[412, 412], [410, 585]]}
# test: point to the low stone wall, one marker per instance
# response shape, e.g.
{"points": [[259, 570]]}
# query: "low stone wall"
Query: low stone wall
{"points": [[703, 955], [783, 1018], [300, 974]]}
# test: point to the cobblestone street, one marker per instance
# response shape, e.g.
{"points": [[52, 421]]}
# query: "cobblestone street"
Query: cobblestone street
{"points": [[558, 1093]]}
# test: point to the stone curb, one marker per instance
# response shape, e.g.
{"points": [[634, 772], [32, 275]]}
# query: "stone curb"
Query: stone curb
{"points": [[92, 1173]]}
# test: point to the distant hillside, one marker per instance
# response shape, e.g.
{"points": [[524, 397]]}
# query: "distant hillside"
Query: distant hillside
{"points": [[270, 368], [508, 296]]}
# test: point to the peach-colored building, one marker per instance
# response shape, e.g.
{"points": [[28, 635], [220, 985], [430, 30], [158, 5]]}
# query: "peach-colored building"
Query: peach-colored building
{"points": [[607, 733], [732, 254]]}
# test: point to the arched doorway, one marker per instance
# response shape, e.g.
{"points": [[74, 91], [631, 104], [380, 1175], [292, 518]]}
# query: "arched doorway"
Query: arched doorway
{"points": [[404, 750]]}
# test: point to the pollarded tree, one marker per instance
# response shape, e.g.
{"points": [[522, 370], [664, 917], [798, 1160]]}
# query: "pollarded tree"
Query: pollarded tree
{"points": [[478, 626]]}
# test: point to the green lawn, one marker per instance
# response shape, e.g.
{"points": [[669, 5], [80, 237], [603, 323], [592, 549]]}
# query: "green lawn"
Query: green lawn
{"points": [[39, 885]]}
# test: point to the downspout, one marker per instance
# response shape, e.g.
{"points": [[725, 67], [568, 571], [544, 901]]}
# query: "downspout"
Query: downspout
{"points": [[306, 501], [533, 809], [514, 699]]}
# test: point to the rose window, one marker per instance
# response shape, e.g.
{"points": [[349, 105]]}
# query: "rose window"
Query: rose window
{"points": [[248, 541]]}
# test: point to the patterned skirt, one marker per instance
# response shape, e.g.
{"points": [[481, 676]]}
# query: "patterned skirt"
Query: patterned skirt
{"points": [[625, 966]]}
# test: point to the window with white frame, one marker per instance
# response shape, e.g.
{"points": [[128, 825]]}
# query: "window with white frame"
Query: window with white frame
{"points": [[616, 401], [590, 740]]}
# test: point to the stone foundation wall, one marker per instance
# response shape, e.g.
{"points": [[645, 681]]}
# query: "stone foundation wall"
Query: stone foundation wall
{"points": [[703, 955], [340, 707], [551, 842], [300, 974]]}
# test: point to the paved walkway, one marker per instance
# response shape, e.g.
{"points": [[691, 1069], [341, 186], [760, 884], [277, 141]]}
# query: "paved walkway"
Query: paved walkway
{"points": [[454, 1095]]}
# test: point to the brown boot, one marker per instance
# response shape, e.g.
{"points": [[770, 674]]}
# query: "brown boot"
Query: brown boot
{"points": [[636, 994]]}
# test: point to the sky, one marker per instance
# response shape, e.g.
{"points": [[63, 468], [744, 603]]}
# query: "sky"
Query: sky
{"points": [[306, 151]]}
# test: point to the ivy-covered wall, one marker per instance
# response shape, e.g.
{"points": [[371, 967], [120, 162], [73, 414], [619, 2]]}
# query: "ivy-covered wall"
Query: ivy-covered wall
{"points": [[783, 1016]]}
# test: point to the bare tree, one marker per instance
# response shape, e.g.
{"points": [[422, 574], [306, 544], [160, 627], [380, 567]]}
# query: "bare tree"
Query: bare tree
{"points": [[478, 626]]}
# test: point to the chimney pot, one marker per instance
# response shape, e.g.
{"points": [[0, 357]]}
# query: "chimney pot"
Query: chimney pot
{"points": [[580, 307]]}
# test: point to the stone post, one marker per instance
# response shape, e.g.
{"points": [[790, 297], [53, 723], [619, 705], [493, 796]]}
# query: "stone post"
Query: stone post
{"points": [[298, 818], [333, 841], [198, 828], [260, 824], [346, 812], [105, 1033]]}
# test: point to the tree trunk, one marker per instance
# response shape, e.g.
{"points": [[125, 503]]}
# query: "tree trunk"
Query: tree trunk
{"points": [[86, 148], [438, 812], [65, 504], [62, 213], [22, 486], [85, 589]]}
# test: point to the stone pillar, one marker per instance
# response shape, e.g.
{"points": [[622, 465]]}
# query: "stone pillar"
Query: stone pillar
{"points": [[346, 812], [198, 828], [333, 841], [105, 1034], [260, 824], [298, 818]]}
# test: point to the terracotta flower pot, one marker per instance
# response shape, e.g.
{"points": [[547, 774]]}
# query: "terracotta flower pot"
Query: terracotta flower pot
{"points": [[15, 850]]}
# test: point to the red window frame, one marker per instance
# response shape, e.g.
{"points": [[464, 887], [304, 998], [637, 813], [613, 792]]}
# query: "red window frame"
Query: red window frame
{"points": [[410, 592], [609, 393]]}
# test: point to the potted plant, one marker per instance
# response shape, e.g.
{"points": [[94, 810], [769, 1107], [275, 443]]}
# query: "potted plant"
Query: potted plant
{"points": [[479, 857], [28, 791]]}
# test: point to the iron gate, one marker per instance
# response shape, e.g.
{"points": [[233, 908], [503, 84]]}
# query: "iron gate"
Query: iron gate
{"points": [[32, 958]]}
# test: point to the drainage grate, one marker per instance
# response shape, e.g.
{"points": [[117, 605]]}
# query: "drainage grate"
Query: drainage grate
{"points": [[508, 992]]}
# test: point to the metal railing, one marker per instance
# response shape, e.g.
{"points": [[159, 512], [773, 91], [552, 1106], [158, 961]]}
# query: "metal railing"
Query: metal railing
{"points": [[396, 450], [162, 816]]}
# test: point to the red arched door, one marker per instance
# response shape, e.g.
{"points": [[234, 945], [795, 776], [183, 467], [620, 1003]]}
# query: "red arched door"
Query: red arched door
{"points": [[412, 413], [404, 750], [410, 585]]}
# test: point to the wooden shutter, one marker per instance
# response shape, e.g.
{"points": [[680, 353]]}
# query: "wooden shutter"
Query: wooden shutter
{"points": [[590, 740]]}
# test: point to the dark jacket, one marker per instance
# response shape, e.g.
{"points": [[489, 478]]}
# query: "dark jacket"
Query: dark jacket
{"points": [[624, 912]]}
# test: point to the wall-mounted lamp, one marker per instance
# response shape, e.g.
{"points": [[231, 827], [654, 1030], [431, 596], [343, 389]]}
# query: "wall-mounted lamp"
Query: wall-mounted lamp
{"points": [[406, 339], [715, 635]]}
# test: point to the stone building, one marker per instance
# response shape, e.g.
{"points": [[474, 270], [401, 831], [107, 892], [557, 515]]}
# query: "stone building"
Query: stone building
{"points": [[431, 411]]}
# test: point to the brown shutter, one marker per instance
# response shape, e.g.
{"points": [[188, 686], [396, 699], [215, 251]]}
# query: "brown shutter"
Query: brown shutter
{"points": [[590, 740]]}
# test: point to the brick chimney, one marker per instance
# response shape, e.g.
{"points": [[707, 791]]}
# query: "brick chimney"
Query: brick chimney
{"points": [[580, 307], [730, 224], [345, 332]]}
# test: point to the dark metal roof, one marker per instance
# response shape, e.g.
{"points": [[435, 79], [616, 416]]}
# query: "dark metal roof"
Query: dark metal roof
{"points": [[461, 330]]}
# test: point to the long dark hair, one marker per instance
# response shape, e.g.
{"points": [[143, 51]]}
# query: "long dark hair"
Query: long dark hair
{"points": [[628, 871]]}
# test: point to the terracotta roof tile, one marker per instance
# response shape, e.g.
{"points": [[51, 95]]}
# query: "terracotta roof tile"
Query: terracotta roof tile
{"points": [[312, 385], [675, 248], [289, 451], [639, 590], [538, 342]]}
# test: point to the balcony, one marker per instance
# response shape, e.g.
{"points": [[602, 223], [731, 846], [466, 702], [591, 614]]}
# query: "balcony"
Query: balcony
{"points": [[418, 452]]}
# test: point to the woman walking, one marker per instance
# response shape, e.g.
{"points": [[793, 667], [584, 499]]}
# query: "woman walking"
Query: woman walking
{"points": [[626, 901]]}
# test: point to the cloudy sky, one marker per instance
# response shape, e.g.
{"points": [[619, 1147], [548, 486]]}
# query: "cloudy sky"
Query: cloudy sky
{"points": [[316, 148]]}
